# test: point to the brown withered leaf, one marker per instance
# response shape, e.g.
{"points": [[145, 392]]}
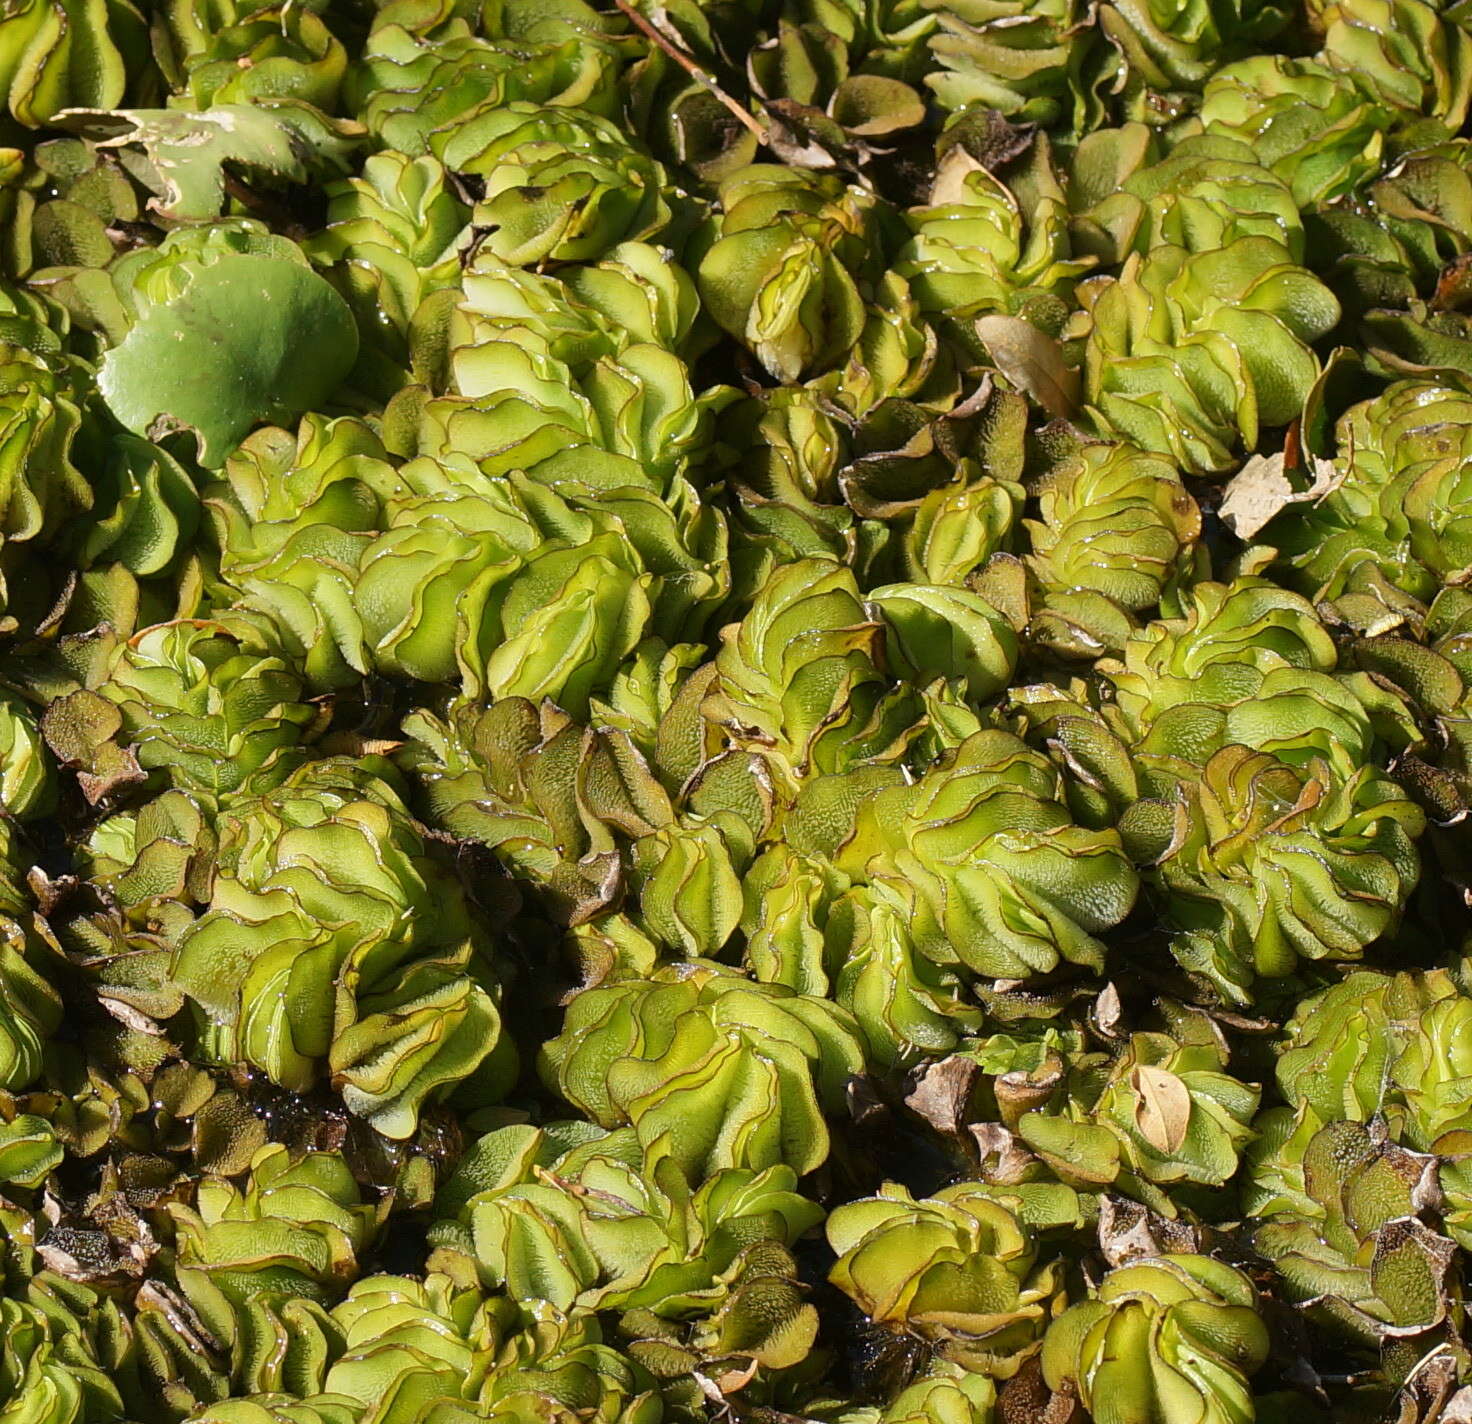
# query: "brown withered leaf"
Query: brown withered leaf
{"points": [[1420, 1262], [1427, 1395], [988, 137], [1108, 1011], [1445, 794], [80, 729], [1130, 1231], [1255, 494], [949, 184], [1454, 285], [129, 1016], [1004, 1158], [732, 1381], [1262, 489], [1026, 1399], [861, 1098], [1032, 361], [356, 744], [106, 1240], [176, 1309], [805, 137], [1164, 1109], [942, 1091], [50, 892]]}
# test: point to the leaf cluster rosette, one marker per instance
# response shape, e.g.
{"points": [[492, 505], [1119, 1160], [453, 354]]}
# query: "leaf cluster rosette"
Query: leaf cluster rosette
{"points": [[859, 944], [1405, 53], [333, 941], [559, 185], [780, 266], [943, 1394], [615, 332], [27, 771], [421, 77], [798, 675], [729, 1072], [277, 1408], [1404, 1087], [73, 57], [1177, 47], [1205, 193], [1306, 121], [1352, 1246], [958, 1269], [1269, 864], [206, 709], [897, 892], [1116, 528], [1167, 1337], [294, 1228], [1247, 663], [42, 393], [136, 544], [45, 1372], [406, 1343], [1160, 1115], [459, 565], [291, 515], [593, 1221], [31, 1007], [237, 52], [990, 869], [1394, 513], [1037, 62], [392, 239], [1190, 355], [735, 710], [973, 252]]}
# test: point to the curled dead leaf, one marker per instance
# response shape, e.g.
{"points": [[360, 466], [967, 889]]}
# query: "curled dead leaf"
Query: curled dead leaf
{"points": [[1004, 1158], [734, 1380], [1130, 1231], [1262, 488], [1107, 1010], [1032, 361], [942, 1091], [1164, 1109]]}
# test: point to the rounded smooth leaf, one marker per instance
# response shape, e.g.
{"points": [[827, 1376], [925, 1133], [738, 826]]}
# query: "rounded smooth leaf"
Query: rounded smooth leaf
{"points": [[248, 339]]}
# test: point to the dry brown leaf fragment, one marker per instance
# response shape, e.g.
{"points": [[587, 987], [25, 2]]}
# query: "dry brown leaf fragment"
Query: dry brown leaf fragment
{"points": [[942, 1092], [1032, 361], [1262, 489], [949, 184], [1164, 1109], [732, 1381], [1130, 1231], [1108, 1011]]}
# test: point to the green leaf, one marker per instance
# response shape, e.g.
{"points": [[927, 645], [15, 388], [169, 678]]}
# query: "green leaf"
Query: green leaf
{"points": [[249, 339], [285, 141]]}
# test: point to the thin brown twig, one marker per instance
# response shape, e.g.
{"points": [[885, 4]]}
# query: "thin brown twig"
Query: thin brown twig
{"points": [[690, 67]]}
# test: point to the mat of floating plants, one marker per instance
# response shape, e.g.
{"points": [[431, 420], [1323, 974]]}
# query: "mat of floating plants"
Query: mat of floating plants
{"points": [[735, 712]]}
